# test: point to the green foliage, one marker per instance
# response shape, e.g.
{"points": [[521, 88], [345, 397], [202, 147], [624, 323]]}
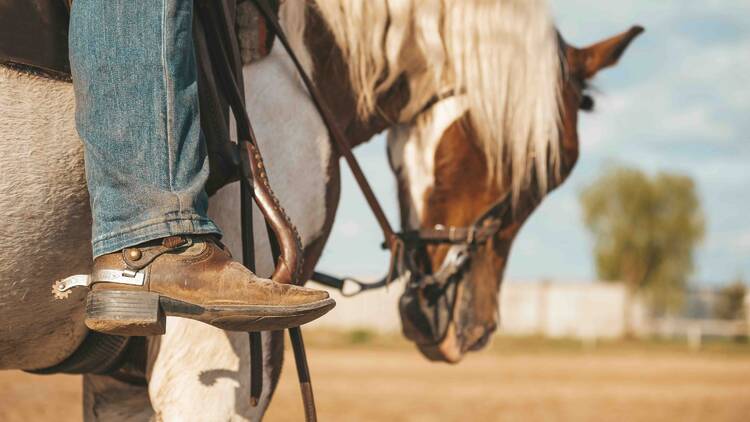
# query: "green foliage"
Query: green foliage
{"points": [[731, 301], [645, 230], [360, 336]]}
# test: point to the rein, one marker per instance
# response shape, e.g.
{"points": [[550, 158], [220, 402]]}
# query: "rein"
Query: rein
{"points": [[483, 228]]}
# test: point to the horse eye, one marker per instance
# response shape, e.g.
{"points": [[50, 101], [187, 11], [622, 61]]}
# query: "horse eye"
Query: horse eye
{"points": [[587, 103]]}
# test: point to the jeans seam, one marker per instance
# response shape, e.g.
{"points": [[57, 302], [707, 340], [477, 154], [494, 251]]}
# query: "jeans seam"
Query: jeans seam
{"points": [[192, 217], [169, 91]]}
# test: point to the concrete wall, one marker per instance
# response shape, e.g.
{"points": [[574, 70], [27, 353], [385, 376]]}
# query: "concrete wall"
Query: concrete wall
{"points": [[555, 309], [375, 310], [563, 309]]}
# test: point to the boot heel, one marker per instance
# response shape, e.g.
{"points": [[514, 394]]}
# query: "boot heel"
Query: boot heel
{"points": [[125, 313]]}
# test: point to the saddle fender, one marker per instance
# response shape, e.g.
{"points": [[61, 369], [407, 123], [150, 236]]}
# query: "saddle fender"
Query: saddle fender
{"points": [[35, 33]]}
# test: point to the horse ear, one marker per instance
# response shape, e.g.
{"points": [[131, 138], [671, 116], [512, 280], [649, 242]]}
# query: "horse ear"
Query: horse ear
{"points": [[606, 53]]}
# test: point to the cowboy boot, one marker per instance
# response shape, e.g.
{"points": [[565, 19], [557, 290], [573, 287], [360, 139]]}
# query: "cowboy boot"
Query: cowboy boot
{"points": [[191, 277]]}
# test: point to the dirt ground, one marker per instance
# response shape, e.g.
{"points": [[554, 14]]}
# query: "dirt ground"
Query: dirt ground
{"points": [[376, 383]]}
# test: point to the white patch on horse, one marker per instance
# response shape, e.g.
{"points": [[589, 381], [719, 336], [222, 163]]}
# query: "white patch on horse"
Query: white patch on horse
{"points": [[196, 373], [412, 148]]}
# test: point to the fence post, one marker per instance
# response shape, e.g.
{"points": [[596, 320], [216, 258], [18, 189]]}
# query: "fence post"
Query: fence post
{"points": [[694, 337]]}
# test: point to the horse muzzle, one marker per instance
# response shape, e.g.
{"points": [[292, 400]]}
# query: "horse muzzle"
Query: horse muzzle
{"points": [[445, 314]]}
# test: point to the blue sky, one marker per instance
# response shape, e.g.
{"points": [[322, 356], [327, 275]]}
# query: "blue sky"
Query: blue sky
{"points": [[679, 101]]}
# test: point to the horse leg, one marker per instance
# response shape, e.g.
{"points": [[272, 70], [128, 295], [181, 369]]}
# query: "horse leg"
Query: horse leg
{"points": [[108, 399], [197, 372]]}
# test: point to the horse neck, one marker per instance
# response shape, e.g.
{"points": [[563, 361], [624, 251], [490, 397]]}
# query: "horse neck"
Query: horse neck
{"points": [[332, 79]]}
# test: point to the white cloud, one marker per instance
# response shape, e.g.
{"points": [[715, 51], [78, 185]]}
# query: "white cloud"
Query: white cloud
{"points": [[737, 241], [685, 103], [696, 121], [728, 173], [655, 13]]}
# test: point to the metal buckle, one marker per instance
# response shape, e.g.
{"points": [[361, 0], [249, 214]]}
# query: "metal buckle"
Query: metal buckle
{"points": [[78, 280], [471, 235], [129, 277]]}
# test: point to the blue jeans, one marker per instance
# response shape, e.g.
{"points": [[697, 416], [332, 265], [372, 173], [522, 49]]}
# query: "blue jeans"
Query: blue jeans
{"points": [[134, 75]]}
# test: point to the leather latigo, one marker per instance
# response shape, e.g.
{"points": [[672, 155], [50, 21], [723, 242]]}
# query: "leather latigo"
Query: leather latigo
{"points": [[198, 271], [289, 264]]}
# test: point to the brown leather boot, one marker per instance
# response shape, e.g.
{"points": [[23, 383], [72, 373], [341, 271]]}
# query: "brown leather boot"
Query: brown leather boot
{"points": [[191, 277]]}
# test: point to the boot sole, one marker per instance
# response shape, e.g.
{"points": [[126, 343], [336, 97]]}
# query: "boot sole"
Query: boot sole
{"points": [[131, 313]]}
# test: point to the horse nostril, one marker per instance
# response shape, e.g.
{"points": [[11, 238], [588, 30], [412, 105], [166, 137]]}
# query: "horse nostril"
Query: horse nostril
{"points": [[482, 341]]}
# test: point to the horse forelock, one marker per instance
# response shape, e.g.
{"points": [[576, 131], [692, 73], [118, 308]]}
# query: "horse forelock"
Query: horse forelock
{"points": [[502, 55]]}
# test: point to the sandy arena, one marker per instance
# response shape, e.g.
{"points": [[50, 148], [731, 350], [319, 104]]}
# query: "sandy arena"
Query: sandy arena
{"points": [[376, 382]]}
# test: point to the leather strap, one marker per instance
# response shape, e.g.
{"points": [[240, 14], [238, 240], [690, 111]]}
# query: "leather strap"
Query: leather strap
{"points": [[479, 232], [303, 374], [334, 131], [139, 257], [225, 58], [355, 286], [98, 354]]}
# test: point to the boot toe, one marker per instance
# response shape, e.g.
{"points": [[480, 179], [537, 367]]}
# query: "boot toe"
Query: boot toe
{"points": [[297, 295]]}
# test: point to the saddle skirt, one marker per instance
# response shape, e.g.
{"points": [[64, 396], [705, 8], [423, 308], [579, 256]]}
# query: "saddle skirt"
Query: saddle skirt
{"points": [[34, 36], [34, 33]]}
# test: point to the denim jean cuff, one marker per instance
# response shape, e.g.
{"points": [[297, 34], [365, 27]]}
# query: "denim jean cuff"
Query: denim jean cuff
{"points": [[191, 224]]}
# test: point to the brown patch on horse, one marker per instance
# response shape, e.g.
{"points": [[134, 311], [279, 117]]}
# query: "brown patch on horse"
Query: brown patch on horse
{"points": [[462, 189], [331, 76]]}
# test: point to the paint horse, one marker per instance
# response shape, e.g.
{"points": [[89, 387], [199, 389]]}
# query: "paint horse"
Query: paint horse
{"points": [[478, 107]]}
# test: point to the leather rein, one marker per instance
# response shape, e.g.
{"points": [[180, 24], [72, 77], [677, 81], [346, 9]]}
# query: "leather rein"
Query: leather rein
{"points": [[479, 232]]}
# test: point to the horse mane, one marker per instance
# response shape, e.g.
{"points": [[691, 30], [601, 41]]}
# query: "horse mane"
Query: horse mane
{"points": [[502, 56]]}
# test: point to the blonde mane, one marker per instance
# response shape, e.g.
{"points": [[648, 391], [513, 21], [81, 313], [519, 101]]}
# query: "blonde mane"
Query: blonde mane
{"points": [[501, 55]]}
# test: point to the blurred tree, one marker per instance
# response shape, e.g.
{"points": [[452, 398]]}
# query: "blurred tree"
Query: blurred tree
{"points": [[645, 230], [731, 300]]}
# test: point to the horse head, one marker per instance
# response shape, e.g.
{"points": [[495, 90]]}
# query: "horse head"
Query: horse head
{"points": [[480, 100], [451, 303]]}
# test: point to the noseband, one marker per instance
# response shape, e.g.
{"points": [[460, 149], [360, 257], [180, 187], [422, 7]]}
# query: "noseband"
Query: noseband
{"points": [[478, 233], [466, 240]]}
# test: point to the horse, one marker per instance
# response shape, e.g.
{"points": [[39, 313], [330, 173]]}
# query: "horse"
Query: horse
{"points": [[375, 64], [485, 99]]}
